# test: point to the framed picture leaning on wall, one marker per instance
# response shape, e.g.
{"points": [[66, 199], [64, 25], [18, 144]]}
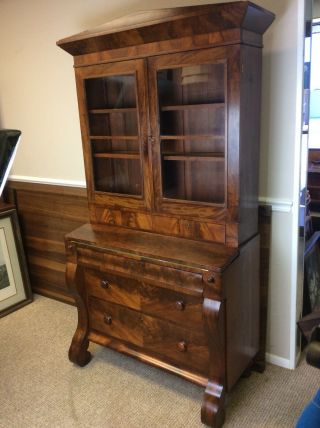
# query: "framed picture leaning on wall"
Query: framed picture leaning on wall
{"points": [[15, 290]]}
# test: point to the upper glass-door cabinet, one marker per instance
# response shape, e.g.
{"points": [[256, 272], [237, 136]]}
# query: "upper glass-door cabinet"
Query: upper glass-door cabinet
{"points": [[189, 127], [112, 112]]}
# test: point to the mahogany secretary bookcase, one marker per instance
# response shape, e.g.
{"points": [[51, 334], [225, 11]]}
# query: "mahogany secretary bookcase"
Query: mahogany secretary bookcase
{"points": [[167, 270]]}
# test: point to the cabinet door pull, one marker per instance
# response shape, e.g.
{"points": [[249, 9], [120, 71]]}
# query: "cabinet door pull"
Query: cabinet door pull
{"points": [[107, 319], [183, 346], [105, 284], [180, 305]]}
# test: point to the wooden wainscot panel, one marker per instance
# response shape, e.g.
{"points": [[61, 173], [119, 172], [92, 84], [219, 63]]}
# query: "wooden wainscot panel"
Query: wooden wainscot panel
{"points": [[46, 214]]}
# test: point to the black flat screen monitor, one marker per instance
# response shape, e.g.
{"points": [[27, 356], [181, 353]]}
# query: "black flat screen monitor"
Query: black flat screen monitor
{"points": [[9, 141]]}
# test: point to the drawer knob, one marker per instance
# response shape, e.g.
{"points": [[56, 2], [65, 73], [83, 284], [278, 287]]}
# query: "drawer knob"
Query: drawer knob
{"points": [[108, 319], [211, 279], [182, 346], [105, 284], [180, 305]]}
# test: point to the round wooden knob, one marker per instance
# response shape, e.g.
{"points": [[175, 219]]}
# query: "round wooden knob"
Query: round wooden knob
{"points": [[180, 305], [210, 279], [105, 284], [182, 346], [108, 319]]}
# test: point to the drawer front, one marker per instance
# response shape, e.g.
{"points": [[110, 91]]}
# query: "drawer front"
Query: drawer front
{"points": [[183, 309], [179, 308], [170, 342], [181, 280], [114, 289], [115, 321], [180, 345]]}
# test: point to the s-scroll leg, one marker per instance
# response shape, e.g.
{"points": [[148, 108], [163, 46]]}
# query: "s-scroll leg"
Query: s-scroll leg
{"points": [[78, 352], [213, 406]]}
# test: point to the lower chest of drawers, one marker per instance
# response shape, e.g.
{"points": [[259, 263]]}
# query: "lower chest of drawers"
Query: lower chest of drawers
{"points": [[164, 323], [194, 314]]}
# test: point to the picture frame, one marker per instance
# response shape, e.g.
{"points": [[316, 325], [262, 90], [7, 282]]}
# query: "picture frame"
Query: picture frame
{"points": [[15, 289]]}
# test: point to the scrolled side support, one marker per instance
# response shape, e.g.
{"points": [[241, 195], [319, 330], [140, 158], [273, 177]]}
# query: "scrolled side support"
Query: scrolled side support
{"points": [[213, 406], [78, 352]]}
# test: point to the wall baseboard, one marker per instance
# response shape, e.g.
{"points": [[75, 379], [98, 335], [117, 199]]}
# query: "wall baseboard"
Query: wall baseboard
{"points": [[44, 180], [278, 361], [279, 205]]}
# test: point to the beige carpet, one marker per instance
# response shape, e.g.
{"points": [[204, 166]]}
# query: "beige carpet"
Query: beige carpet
{"points": [[39, 387]]}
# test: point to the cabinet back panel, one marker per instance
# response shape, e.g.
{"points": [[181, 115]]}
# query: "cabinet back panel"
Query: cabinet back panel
{"points": [[194, 181], [118, 176]]}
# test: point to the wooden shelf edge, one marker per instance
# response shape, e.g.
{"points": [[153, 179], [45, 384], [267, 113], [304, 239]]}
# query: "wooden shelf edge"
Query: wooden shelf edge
{"points": [[114, 137], [112, 110], [117, 155], [184, 107], [193, 157], [191, 137]]}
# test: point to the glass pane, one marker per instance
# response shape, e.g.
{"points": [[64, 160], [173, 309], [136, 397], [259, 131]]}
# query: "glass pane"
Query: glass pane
{"points": [[201, 181], [111, 92], [192, 132], [196, 84], [118, 175], [114, 134]]}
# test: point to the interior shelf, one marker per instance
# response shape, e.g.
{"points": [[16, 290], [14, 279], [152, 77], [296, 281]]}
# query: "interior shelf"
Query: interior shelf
{"points": [[118, 155], [192, 106], [112, 110], [194, 156], [191, 137], [113, 137]]}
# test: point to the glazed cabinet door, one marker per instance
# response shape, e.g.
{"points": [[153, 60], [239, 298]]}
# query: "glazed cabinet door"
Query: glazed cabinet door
{"points": [[190, 97], [113, 115]]}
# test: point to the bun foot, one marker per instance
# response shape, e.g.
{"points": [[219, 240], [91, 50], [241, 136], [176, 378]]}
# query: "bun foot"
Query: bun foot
{"points": [[79, 355]]}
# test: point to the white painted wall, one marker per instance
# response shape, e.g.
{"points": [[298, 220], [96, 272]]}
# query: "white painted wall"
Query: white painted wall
{"points": [[316, 9], [38, 96]]}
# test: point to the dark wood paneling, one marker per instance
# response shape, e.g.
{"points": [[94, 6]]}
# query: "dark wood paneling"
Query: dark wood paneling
{"points": [[265, 222], [46, 214]]}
